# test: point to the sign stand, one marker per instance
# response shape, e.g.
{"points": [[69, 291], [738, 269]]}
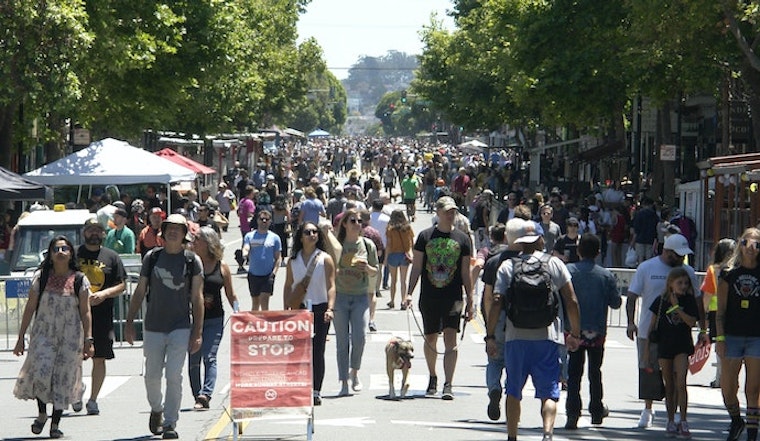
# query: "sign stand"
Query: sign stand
{"points": [[271, 367]]}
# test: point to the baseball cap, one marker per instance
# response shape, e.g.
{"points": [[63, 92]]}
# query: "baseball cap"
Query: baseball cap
{"points": [[158, 211], [270, 177], [445, 203], [121, 212], [92, 222], [523, 231], [678, 244], [572, 221]]}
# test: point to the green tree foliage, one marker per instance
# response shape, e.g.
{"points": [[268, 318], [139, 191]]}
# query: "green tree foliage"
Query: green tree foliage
{"points": [[371, 77], [404, 117]]}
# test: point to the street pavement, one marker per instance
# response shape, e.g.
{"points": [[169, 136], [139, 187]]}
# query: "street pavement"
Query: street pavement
{"points": [[368, 415]]}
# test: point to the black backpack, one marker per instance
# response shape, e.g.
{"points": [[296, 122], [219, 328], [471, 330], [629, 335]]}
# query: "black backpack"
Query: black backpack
{"points": [[531, 303]]}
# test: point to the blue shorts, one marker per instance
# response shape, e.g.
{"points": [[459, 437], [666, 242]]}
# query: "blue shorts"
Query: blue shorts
{"points": [[540, 360], [397, 259], [740, 347]]}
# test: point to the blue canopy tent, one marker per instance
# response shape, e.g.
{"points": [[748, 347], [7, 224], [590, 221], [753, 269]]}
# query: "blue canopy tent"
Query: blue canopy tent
{"points": [[319, 133]]}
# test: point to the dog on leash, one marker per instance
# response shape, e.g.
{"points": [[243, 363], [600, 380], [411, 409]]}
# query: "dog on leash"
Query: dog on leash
{"points": [[398, 355]]}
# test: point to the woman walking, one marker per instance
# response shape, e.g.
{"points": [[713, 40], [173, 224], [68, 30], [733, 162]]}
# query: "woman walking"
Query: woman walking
{"points": [[310, 279], [738, 328], [400, 240], [357, 263], [216, 275], [60, 338]]}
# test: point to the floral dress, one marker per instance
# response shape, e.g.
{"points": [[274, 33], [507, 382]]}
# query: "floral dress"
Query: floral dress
{"points": [[52, 370]]}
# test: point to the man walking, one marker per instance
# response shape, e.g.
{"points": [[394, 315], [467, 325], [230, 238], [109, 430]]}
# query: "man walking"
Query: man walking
{"points": [[105, 271], [442, 257], [263, 249], [596, 290], [649, 283], [174, 280], [533, 350], [120, 239]]}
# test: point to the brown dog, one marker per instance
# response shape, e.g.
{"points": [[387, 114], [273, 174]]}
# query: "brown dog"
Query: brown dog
{"points": [[398, 355]]}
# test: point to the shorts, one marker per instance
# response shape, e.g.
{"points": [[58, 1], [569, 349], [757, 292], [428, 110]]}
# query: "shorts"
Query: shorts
{"points": [[260, 284], [397, 259], [738, 346], [540, 360], [409, 201], [440, 313], [103, 343]]}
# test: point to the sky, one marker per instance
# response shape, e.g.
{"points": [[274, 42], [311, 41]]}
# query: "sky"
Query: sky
{"points": [[349, 29]]}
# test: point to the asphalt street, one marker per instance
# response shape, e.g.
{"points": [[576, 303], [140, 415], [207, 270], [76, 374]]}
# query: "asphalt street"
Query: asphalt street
{"points": [[367, 415]]}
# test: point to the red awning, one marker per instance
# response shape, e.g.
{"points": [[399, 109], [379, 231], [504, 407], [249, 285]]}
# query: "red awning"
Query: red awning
{"points": [[185, 162]]}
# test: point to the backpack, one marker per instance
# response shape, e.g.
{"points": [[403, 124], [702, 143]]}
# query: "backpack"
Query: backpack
{"points": [[530, 301], [156, 252], [78, 280]]}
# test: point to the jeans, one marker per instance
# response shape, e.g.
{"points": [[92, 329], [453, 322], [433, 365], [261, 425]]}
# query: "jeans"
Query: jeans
{"points": [[596, 393], [318, 344], [213, 329], [164, 357], [495, 365], [351, 311]]}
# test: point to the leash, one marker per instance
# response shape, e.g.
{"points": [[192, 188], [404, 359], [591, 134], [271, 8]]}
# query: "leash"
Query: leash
{"points": [[422, 333]]}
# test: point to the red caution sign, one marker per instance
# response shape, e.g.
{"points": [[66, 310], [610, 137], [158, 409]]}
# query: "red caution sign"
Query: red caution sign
{"points": [[698, 360], [270, 363]]}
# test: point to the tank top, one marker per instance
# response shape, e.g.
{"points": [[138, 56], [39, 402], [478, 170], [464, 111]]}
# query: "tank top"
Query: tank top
{"points": [[213, 283], [317, 289]]}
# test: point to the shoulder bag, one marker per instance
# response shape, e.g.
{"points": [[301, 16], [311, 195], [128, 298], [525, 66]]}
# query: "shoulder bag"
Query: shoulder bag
{"points": [[299, 292]]}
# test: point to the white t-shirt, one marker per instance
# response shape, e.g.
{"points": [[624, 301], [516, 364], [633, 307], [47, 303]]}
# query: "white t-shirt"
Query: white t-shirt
{"points": [[648, 283]]}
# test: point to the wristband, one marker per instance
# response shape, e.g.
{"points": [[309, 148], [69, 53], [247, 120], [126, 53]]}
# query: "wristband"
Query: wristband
{"points": [[89, 340], [489, 337], [673, 308], [702, 331], [720, 338]]}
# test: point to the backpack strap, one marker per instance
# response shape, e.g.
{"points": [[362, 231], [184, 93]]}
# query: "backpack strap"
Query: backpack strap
{"points": [[78, 282], [152, 259]]}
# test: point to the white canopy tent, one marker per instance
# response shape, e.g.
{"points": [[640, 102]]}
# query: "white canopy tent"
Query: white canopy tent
{"points": [[110, 162]]}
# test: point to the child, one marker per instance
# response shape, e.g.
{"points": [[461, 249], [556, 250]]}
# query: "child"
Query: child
{"points": [[675, 314]]}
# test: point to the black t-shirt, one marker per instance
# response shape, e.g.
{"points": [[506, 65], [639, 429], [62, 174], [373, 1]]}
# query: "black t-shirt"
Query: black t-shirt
{"points": [[675, 335], [568, 248], [103, 269], [442, 262], [491, 268], [742, 302], [213, 283]]}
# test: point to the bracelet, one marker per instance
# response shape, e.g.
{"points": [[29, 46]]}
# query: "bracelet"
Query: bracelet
{"points": [[489, 337], [89, 340], [673, 308], [702, 331], [720, 338]]}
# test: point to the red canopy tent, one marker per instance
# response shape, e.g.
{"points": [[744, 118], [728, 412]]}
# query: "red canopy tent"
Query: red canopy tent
{"points": [[185, 162]]}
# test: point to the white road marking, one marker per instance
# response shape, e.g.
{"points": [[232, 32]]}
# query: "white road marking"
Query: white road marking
{"points": [[110, 384]]}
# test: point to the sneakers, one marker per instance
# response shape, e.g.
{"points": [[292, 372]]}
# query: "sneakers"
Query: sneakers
{"points": [[599, 419], [201, 402], [343, 390], [432, 386], [242, 270], [372, 327], [671, 430], [170, 433], [735, 429], [317, 398], [356, 385], [547, 437], [156, 422], [715, 384], [92, 407], [77, 405], [494, 404], [683, 430], [447, 394], [647, 418]]}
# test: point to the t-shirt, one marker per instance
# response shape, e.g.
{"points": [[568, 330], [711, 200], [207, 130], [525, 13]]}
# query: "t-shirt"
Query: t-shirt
{"points": [[122, 241], [442, 262], [103, 269], [648, 282], [311, 209], [674, 333], [568, 247], [560, 276], [349, 280], [263, 247], [494, 262], [742, 302], [245, 212], [169, 304], [409, 187]]}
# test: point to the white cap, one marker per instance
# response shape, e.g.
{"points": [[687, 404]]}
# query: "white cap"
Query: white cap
{"points": [[678, 244]]}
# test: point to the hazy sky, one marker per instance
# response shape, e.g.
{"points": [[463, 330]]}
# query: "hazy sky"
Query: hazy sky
{"points": [[349, 29]]}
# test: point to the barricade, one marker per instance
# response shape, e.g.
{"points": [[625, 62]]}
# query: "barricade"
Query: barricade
{"points": [[14, 293], [271, 366]]}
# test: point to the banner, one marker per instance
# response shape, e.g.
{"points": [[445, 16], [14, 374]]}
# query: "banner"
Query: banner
{"points": [[271, 363], [698, 360]]}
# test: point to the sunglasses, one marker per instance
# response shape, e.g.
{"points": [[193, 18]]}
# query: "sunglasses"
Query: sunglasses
{"points": [[62, 249], [310, 232], [355, 221], [264, 219], [750, 244]]}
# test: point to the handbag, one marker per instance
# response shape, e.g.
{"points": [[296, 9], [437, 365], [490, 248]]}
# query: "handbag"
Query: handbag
{"points": [[299, 292], [630, 258]]}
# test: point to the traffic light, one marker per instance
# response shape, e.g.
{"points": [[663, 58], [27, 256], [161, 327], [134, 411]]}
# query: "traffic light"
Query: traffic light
{"points": [[403, 96]]}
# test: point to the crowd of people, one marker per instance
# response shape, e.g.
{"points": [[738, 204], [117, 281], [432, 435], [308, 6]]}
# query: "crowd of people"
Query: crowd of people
{"points": [[326, 215]]}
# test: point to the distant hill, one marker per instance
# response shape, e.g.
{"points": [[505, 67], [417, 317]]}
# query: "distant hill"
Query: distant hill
{"points": [[371, 77]]}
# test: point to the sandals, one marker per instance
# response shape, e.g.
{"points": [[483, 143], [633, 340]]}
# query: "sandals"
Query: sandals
{"points": [[201, 402], [391, 305]]}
